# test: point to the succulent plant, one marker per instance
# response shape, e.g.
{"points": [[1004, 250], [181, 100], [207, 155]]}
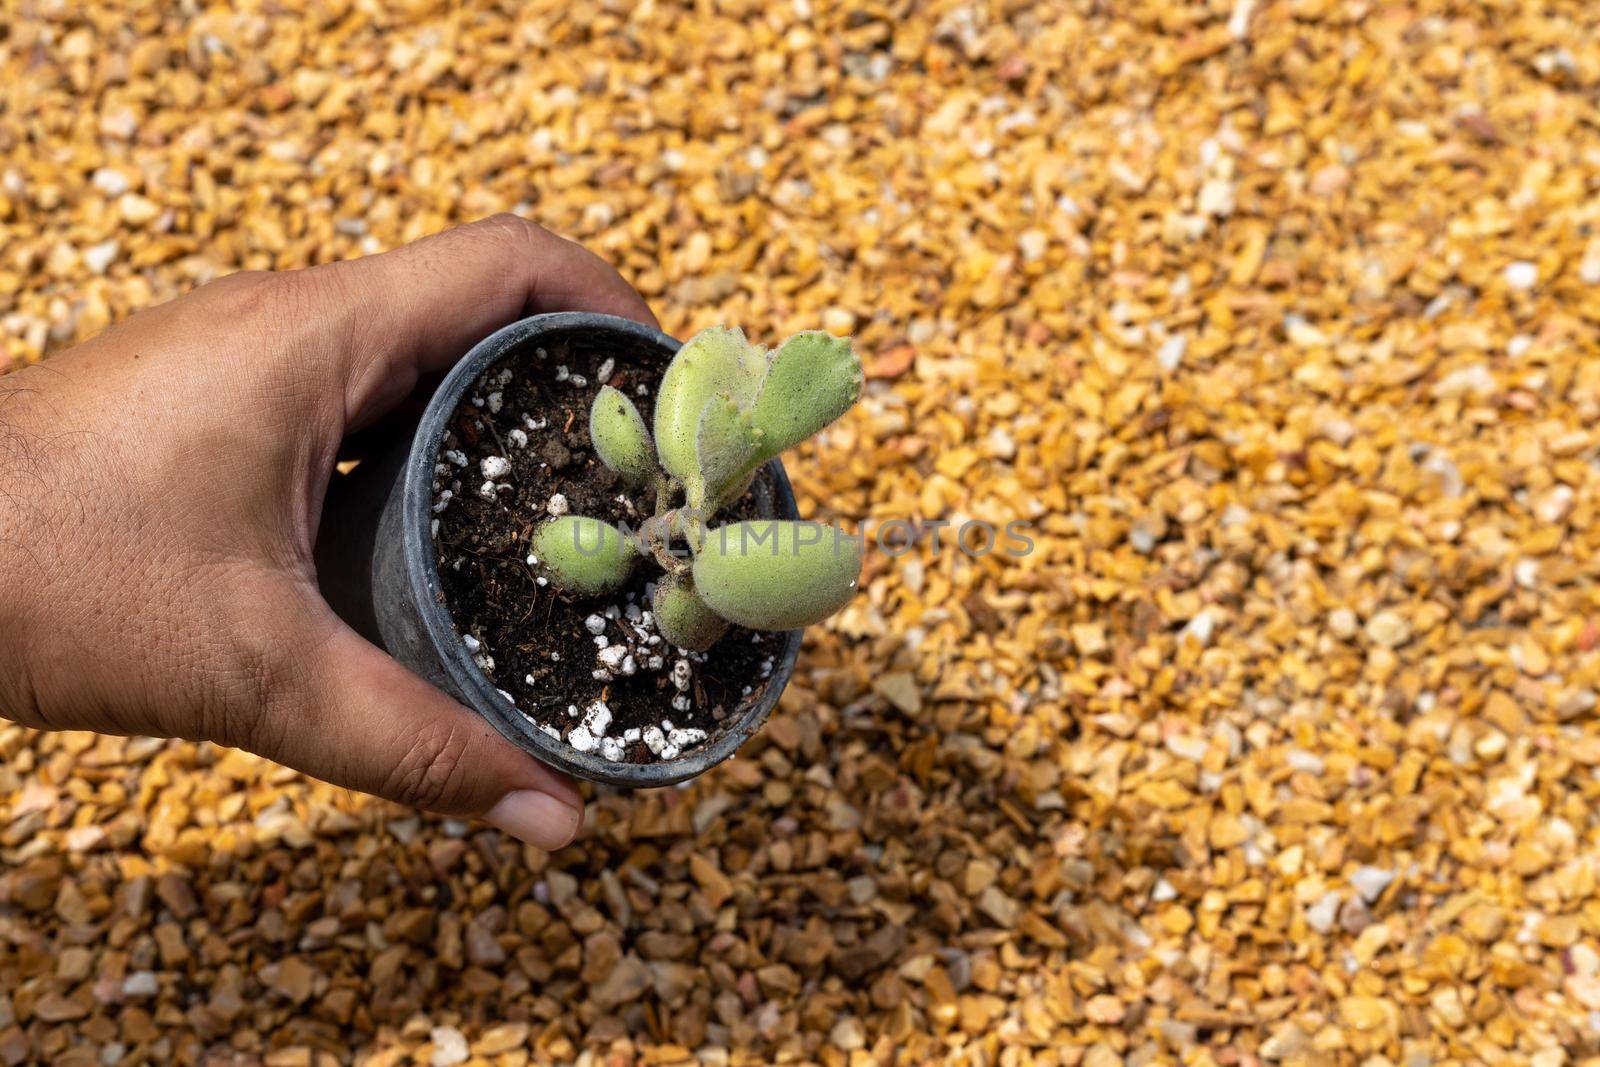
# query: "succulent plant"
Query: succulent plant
{"points": [[724, 407]]}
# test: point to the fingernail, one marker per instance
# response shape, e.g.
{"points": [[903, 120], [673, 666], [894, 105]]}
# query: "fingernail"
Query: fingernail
{"points": [[535, 818]]}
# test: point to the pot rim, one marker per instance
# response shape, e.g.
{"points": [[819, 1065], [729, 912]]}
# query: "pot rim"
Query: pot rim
{"points": [[422, 574]]}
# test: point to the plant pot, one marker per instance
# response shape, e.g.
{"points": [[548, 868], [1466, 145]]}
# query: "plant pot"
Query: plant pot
{"points": [[377, 563]]}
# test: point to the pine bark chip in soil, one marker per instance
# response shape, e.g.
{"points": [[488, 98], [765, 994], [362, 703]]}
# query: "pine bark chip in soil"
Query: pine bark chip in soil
{"points": [[593, 672]]}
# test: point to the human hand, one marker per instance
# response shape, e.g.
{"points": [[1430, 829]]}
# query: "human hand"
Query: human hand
{"points": [[160, 492]]}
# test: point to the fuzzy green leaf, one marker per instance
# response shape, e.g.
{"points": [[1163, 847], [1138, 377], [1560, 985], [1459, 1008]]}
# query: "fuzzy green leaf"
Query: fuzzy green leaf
{"points": [[726, 448], [814, 378], [583, 556], [621, 439], [776, 575], [682, 617], [713, 361]]}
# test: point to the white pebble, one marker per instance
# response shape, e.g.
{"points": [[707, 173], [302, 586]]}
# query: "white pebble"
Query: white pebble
{"points": [[612, 657], [1522, 275], [1343, 623], [1321, 915], [680, 675], [487, 490], [111, 182], [1303, 761], [518, 439], [1555, 505], [1589, 267], [141, 984], [605, 370], [611, 749], [1034, 244], [472, 643], [495, 467], [595, 624], [1170, 354], [100, 257], [1201, 627], [458, 458], [496, 402], [1370, 882], [1191, 747], [1216, 198], [557, 505]]}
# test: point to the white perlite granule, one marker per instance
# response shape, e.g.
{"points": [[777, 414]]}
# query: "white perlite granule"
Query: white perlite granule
{"points": [[597, 717]]}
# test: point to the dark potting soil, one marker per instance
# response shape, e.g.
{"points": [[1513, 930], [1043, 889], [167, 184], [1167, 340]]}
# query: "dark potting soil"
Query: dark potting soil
{"points": [[532, 409]]}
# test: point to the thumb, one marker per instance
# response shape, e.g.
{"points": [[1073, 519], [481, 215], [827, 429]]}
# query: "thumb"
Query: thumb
{"points": [[362, 720]]}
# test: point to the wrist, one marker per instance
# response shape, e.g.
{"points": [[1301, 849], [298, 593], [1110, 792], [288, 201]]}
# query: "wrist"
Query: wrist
{"points": [[21, 501]]}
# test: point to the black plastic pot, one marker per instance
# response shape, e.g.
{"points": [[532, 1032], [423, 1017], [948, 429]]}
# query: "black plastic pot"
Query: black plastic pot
{"points": [[376, 565]]}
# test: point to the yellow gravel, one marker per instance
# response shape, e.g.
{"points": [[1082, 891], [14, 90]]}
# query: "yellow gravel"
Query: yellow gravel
{"points": [[1277, 320]]}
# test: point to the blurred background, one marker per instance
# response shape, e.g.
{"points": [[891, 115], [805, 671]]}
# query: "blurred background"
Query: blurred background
{"points": [[1277, 319]]}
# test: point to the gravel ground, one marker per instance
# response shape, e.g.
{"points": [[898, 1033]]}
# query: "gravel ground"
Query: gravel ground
{"points": [[1277, 320]]}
